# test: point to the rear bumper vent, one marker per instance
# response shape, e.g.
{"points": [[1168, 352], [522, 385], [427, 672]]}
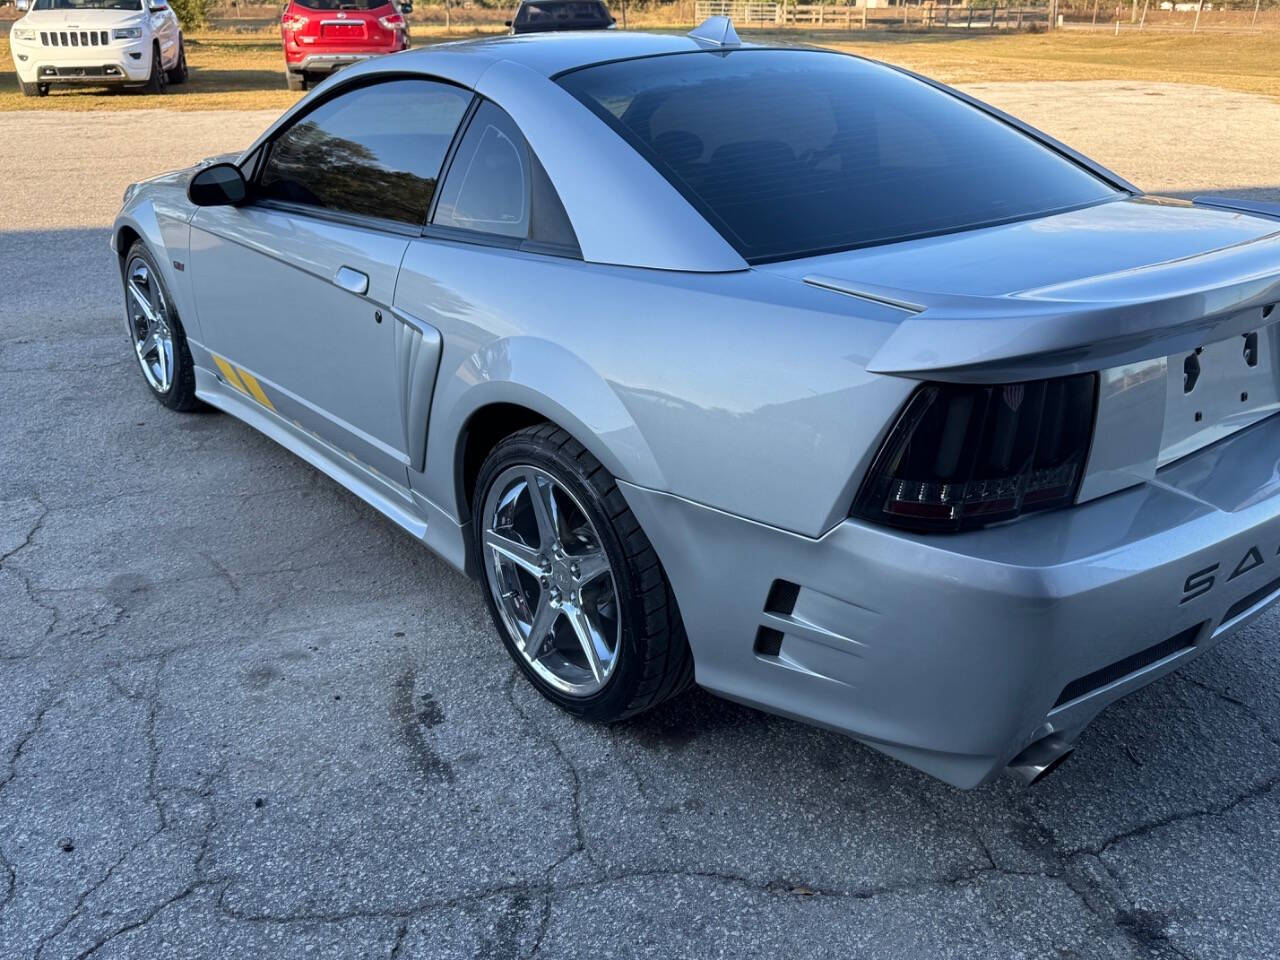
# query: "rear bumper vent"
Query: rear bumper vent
{"points": [[1132, 664], [1244, 603]]}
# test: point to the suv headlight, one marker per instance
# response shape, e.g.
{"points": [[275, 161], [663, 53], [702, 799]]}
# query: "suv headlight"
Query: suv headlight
{"points": [[23, 33], [126, 33]]}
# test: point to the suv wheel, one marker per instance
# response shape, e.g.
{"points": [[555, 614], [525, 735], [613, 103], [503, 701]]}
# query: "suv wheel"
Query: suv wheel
{"points": [[179, 73], [295, 80], [573, 584], [158, 81], [33, 89]]}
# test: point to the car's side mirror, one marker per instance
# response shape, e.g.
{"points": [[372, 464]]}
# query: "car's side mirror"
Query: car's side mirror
{"points": [[22, 5], [157, 5], [406, 8], [218, 185]]}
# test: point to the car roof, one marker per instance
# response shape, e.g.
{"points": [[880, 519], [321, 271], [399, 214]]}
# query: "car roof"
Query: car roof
{"points": [[553, 52]]}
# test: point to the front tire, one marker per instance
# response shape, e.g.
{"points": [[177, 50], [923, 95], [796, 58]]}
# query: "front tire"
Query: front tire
{"points": [[157, 82], [294, 80], [156, 334], [573, 584], [179, 73], [33, 89]]}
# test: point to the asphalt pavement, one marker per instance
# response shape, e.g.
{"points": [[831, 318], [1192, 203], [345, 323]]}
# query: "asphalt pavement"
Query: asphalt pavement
{"points": [[242, 715]]}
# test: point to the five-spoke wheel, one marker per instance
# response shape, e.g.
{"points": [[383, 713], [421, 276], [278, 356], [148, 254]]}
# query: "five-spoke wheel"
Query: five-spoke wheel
{"points": [[551, 579], [149, 324], [574, 586], [155, 332]]}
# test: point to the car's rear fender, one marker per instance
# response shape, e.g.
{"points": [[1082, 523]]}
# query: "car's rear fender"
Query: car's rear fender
{"points": [[543, 378]]}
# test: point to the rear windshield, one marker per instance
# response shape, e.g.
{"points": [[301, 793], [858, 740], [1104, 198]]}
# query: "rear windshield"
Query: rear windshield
{"points": [[790, 153], [341, 4], [562, 13]]}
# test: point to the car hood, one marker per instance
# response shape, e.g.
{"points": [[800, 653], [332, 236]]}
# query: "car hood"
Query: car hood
{"points": [[83, 19], [1075, 291]]}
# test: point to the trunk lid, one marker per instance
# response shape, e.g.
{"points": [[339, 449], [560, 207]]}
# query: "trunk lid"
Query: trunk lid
{"points": [[1173, 304], [1069, 293]]}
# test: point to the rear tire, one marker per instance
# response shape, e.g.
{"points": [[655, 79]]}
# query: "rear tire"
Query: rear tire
{"points": [[295, 81], [157, 82], [179, 73], [651, 660]]}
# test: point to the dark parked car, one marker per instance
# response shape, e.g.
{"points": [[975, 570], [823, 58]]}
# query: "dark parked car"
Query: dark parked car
{"points": [[541, 16]]}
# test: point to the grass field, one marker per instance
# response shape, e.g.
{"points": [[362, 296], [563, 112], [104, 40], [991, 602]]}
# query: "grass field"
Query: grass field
{"points": [[245, 71]]}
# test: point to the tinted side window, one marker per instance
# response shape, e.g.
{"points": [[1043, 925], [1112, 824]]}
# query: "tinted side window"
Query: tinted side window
{"points": [[487, 188], [374, 151]]}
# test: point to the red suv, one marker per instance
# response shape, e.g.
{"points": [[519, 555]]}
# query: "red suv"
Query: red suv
{"points": [[321, 36]]}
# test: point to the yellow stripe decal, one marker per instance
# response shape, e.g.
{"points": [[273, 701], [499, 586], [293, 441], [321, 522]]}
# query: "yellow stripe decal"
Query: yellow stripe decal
{"points": [[255, 388], [229, 373]]}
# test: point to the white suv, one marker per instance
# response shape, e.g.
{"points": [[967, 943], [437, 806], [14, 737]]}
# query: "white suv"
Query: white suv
{"points": [[97, 42]]}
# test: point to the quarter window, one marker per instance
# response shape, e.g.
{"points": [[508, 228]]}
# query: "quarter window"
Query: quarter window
{"points": [[487, 189], [375, 151]]}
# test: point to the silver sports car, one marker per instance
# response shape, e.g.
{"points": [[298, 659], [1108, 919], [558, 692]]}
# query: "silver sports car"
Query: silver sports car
{"points": [[782, 371]]}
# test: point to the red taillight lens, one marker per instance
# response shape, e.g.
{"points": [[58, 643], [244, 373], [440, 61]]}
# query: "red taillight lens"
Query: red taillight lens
{"points": [[963, 456], [293, 22], [392, 21]]}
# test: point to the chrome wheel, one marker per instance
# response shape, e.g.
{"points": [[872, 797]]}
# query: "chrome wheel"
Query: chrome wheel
{"points": [[551, 580], [148, 318]]}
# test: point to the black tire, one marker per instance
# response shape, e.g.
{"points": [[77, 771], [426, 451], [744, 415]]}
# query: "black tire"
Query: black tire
{"points": [[294, 80], [654, 659], [181, 395], [179, 73], [158, 81], [33, 89]]}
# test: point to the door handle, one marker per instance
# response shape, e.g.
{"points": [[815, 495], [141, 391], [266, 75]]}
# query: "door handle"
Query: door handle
{"points": [[352, 280]]}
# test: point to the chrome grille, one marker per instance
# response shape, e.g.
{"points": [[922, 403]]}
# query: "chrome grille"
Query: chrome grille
{"points": [[74, 38]]}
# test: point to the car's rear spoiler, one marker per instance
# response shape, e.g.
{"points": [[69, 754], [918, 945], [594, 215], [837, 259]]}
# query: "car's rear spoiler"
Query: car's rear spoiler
{"points": [[1091, 324], [1259, 208]]}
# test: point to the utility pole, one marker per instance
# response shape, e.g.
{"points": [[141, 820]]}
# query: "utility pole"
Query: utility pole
{"points": [[1196, 26]]}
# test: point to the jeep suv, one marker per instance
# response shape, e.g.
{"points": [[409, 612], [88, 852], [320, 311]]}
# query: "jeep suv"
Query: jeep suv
{"points": [[321, 36], [97, 42]]}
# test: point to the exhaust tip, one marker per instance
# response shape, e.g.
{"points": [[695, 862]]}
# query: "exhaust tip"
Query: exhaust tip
{"points": [[1040, 759]]}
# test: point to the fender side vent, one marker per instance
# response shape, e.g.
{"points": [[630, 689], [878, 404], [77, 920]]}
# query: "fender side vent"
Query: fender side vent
{"points": [[768, 642], [782, 598], [1131, 664]]}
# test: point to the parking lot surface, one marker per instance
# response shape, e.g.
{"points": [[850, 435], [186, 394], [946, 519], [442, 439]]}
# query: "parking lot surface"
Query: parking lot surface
{"points": [[243, 715]]}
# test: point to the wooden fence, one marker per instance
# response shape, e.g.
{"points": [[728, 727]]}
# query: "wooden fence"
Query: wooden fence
{"points": [[863, 16]]}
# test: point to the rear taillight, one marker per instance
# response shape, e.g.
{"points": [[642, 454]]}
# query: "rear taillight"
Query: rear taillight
{"points": [[963, 456], [293, 22], [392, 21]]}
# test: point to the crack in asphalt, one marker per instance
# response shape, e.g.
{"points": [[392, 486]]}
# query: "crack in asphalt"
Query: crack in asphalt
{"points": [[575, 780], [27, 540]]}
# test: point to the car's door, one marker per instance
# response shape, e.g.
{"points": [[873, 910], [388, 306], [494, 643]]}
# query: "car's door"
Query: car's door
{"points": [[295, 288]]}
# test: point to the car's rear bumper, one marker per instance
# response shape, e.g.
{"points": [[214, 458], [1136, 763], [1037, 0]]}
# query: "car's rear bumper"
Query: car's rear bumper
{"points": [[954, 653], [328, 62]]}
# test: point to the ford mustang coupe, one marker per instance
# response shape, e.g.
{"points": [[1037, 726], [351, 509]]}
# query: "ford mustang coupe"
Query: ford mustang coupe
{"points": [[774, 369]]}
